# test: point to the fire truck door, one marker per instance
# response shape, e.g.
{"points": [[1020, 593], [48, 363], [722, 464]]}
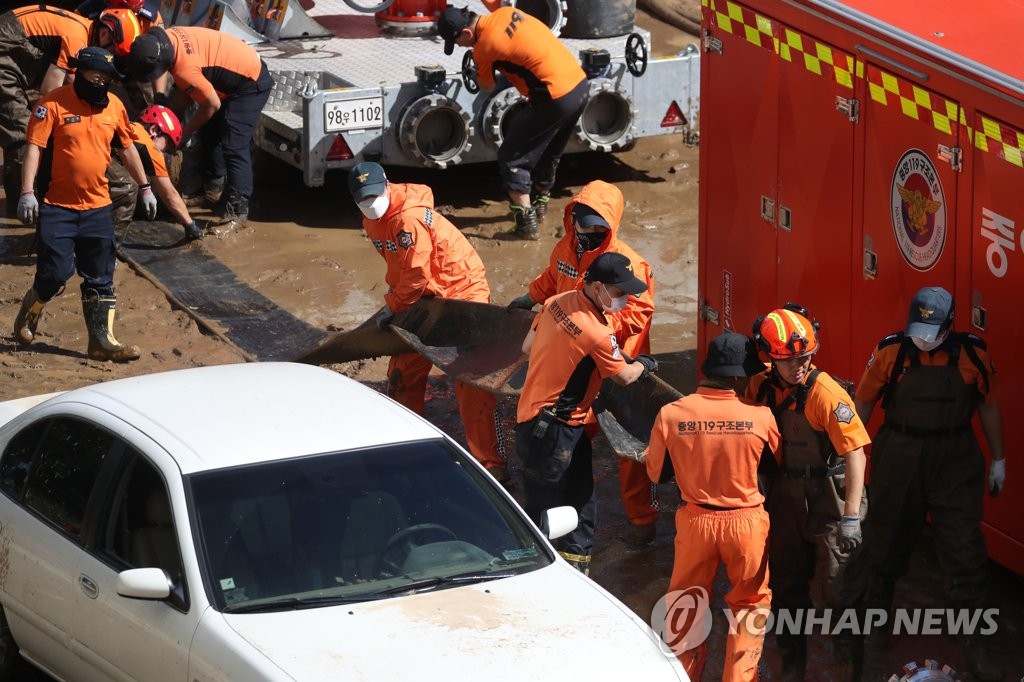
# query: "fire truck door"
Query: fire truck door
{"points": [[997, 278], [815, 193], [909, 202], [739, 91]]}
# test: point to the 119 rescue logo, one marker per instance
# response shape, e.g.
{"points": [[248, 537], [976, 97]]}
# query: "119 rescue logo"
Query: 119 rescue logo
{"points": [[918, 210]]}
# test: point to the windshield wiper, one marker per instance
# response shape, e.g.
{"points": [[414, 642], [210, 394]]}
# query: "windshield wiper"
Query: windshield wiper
{"points": [[289, 603], [468, 578]]}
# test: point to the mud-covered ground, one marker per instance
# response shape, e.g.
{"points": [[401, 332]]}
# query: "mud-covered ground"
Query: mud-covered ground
{"points": [[305, 251]]}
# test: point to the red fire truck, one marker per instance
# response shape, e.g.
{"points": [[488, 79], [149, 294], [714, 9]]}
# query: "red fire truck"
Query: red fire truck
{"points": [[853, 152]]}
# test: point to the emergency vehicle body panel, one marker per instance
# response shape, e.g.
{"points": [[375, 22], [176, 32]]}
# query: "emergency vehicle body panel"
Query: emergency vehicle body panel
{"points": [[853, 153]]}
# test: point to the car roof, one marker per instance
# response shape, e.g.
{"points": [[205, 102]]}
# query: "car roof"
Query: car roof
{"points": [[226, 415]]}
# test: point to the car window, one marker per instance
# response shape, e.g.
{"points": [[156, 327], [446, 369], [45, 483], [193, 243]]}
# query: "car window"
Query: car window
{"points": [[355, 525], [64, 470], [17, 458], [140, 529]]}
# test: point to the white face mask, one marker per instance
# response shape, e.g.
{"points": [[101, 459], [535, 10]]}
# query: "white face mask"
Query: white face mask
{"points": [[615, 303], [926, 346], [374, 207]]}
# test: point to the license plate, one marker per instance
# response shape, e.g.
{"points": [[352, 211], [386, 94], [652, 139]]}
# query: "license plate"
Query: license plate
{"points": [[353, 114]]}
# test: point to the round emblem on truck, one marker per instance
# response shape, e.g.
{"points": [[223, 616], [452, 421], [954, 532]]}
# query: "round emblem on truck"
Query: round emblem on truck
{"points": [[918, 210]]}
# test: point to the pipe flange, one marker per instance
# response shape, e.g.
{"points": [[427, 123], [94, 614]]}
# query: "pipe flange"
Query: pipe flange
{"points": [[553, 11], [435, 130], [931, 671], [495, 116], [607, 123]]}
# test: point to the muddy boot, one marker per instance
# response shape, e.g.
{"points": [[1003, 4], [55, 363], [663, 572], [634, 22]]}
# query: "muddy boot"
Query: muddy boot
{"points": [[982, 666], [99, 314], [213, 190], [848, 656], [13, 156], [526, 222], [540, 205], [28, 318]]}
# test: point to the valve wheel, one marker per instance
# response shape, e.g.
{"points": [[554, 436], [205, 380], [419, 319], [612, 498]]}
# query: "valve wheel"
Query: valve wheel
{"points": [[469, 73], [636, 54], [369, 9]]}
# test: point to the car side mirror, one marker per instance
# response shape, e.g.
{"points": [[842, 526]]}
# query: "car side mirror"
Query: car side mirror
{"points": [[559, 521], [144, 583]]}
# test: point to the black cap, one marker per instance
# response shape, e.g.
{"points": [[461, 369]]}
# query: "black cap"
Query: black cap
{"points": [[732, 355], [588, 217], [931, 313], [615, 269], [95, 59], [366, 179], [452, 22], [151, 55]]}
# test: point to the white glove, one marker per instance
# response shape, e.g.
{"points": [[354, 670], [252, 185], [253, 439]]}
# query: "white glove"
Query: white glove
{"points": [[996, 476], [148, 201], [28, 208], [849, 533]]}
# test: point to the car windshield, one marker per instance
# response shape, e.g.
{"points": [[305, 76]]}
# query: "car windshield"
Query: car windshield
{"points": [[355, 526]]}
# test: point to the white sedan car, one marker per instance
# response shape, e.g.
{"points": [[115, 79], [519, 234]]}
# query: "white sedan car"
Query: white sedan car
{"points": [[281, 522]]}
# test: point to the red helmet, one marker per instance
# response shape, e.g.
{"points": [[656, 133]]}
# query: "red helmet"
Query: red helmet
{"points": [[124, 28], [164, 119], [787, 332], [133, 5]]}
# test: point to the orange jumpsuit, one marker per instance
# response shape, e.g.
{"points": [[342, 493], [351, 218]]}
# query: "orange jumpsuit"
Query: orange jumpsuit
{"points": [[713, 441], [427, 256], [632, 326]]}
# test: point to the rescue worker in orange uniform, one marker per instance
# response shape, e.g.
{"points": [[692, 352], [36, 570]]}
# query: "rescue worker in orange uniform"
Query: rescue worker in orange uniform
{"points": [[592, 219], [926, 461], [426, 256], [157, 132], [548, 75], [712, 441], [36, 42], [79, 123], [229, 82], [572, 349], [816, 499]]}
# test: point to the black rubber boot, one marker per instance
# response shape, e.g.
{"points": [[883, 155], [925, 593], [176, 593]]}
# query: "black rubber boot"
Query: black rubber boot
{"points": [[848, 655], [236, 208], [100, 312], [28, 318], [793, 650], [526, 222], [540, 205], [983, 668]]}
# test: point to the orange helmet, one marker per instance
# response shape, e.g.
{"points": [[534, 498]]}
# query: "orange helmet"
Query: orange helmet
{"points": [[164, 119], [124, 28], [133, 5], [787, 332]]}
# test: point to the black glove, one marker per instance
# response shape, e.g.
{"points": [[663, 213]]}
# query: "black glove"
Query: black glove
{"points": [[649, 363], [524, 302], [384, 318], [193, 231]]}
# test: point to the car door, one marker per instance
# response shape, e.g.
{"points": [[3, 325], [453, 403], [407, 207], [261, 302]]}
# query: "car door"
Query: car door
{"points": [[47, 474], [135, 527]]}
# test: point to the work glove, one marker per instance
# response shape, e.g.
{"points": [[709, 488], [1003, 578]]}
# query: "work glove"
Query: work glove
{"points": [[996, 476], [148, 201], [649, 363], [384, 318], [193, 231], [525, 302], [849, 533], [28, 208]]}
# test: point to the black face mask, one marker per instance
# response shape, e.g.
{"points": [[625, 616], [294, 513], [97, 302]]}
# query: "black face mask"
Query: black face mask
{"points": [[590, 240], [95, 95]]}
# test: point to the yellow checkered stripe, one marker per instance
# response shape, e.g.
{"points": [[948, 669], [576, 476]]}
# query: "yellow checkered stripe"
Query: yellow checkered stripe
{"points": [[998, 138], [914, 101], [736, 19], [885, 88], [818, 58]]}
